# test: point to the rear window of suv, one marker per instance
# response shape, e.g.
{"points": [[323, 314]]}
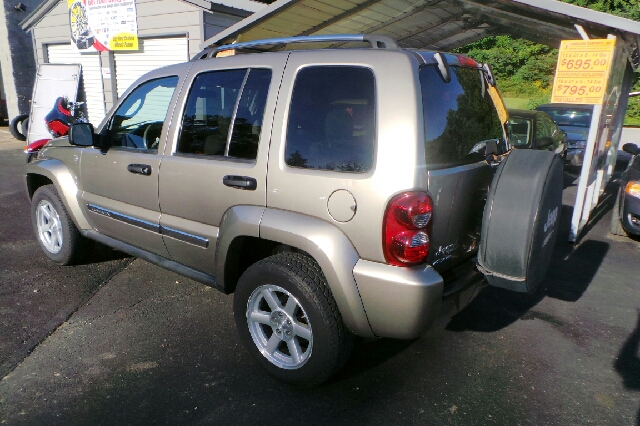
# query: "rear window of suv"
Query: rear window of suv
{"points": [[458, 115], [564, 116]]}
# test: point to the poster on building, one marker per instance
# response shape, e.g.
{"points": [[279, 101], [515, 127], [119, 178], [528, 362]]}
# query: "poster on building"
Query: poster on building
{"points": [[100, 25], [582, 72]]}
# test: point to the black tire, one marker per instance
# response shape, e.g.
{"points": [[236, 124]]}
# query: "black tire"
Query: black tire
{"points": [[21, 134], [63, 243], [616, 225], [287, 275], [25, 126]]}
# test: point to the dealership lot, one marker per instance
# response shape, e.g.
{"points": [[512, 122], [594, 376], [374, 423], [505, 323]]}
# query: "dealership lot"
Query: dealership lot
{"points": [[120, 341]]}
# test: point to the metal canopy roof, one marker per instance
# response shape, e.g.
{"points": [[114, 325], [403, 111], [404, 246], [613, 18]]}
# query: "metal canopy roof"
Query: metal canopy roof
{"points": [[431, 24]]}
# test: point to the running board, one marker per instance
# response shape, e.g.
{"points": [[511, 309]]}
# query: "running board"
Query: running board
{"points": [[163, 262]]}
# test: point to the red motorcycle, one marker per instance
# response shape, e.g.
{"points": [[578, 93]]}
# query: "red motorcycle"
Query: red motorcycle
{"points": [[58, 121]]}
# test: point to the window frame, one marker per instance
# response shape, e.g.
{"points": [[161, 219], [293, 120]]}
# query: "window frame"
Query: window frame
{"points": [[106, 129], [287, 117], [184, 104], [484, 85]]}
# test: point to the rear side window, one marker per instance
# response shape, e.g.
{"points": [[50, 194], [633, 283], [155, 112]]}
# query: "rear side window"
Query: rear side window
{"points": [[224, 113], [331, 121], [520, 131], [543, 127], [457, 116]]}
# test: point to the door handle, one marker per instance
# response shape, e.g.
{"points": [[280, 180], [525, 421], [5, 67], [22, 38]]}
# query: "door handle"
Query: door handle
{"points": [[141, 169], [240, 182]]}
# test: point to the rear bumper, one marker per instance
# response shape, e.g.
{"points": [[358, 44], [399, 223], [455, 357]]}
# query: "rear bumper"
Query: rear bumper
{"points": [[402, 303]]}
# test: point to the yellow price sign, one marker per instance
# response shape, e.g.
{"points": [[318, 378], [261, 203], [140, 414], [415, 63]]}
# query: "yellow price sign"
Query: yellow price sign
{"points": [[582, 72]]}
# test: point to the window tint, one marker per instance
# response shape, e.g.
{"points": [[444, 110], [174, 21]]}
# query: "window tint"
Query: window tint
{"points": [[542, 127], [569, 116], [209, 110], [457, 116], [137, 123], [331, 121], [520, 131], [211, 104], [249, 115]]}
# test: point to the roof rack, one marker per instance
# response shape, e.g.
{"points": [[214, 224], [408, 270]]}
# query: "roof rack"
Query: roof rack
{"points": [[376, 41]]}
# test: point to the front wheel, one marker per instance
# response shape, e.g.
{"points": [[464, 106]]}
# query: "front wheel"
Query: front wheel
{"points": [[288, 320], [57, 234]]}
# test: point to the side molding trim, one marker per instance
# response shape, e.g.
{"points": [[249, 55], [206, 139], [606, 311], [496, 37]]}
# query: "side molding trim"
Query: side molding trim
{"points": [[176, 267], [149, 226]]}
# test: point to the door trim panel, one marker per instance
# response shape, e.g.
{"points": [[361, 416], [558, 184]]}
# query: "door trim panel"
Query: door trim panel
{"points": [[154, 227], [185, 237], [149, 226]]}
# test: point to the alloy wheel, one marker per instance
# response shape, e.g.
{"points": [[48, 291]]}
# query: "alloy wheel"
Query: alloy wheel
{"points": [[279, 327], [49, 227]]}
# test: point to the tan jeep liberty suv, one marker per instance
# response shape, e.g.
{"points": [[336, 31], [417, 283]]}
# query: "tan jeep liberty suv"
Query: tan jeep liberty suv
{"points": [[336, 192]]}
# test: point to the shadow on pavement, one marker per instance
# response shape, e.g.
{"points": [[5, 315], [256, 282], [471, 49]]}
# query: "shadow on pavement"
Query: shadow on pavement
{"points": [[98, 253], [571, 271], [368, 354], [628, 362]]}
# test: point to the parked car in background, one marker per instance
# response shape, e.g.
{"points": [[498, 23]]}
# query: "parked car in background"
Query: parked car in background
{"points": [[625, 218], [3, 108], [575, 120], [536, 130]]}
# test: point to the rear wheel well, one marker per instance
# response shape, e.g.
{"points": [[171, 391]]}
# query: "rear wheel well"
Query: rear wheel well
{"points": [[35, 181], [244, 252]]}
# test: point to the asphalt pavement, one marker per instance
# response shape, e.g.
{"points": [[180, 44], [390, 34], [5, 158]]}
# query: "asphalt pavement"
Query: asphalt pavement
{"points": [[118, 341]]}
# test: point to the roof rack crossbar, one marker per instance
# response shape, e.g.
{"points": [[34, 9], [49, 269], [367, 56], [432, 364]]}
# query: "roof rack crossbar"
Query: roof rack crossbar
{"points": [[376, 41]]}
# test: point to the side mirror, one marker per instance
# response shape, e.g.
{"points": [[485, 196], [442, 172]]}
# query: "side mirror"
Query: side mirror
{"points": [[631, 148], [81, 134], [491, 148]]}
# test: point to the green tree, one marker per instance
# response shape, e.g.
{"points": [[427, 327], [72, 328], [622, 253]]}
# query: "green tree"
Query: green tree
{"points": [[626, 8], [525, 69]]}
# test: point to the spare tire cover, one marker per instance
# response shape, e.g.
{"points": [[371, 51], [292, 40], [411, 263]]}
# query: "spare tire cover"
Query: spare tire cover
{"points": [[521, 220]]}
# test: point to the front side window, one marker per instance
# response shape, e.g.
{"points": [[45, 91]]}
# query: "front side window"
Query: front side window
{"points": [[137, 123], [332, 119], [224, 113], [458, 116]]}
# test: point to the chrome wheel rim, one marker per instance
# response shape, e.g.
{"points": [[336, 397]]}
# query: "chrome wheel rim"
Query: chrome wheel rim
{"points": [[49, 227], [279, 327]]}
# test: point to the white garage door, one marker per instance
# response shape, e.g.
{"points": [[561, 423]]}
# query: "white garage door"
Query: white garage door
{"points": [[91, 77], [154, 53]]}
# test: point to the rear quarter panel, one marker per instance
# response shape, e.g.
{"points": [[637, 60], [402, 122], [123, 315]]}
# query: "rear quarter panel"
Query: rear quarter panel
{"points": [[396, 152]]}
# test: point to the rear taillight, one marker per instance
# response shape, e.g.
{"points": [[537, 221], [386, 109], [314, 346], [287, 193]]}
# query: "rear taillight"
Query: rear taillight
{"points": [[466, 61], [405, 229]]}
